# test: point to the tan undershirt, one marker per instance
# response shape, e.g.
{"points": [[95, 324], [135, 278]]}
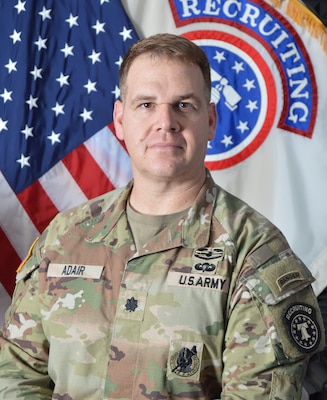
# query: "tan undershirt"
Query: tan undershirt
{"points": [[144, 227]]}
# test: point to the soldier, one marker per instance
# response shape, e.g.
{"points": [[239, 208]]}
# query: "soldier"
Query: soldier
{"points": [[169, 288]]}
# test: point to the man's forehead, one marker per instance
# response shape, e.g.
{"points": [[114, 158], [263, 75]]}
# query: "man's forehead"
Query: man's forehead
{"points": [[156, 60], [150, 78]]}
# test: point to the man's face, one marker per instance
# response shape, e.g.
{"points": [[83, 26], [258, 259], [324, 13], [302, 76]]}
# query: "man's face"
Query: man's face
{"points": [[165, 119]]}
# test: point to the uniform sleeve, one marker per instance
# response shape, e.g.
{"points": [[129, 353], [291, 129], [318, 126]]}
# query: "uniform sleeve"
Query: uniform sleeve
{"points": [[23, 345], [274, 327]]}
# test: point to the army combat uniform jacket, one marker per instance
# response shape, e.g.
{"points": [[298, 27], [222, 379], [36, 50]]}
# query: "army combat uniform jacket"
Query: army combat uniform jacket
{"points": [[216, 306]]}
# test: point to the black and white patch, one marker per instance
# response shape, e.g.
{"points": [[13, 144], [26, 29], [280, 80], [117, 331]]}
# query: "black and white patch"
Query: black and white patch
{"points": [[302, 326]]}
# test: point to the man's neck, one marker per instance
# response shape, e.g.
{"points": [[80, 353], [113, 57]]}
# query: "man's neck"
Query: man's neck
{"points": [[164, 198]]}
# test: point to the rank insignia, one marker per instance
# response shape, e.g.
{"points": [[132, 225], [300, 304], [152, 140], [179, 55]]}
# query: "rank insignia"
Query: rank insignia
{"points": [[131, 304]]}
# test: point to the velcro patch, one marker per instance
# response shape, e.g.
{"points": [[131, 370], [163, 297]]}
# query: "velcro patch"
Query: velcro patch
{"points": [[73, 270], [198, 281], [131, 304], [185, 360], [289, 277], [303, 328], [286, 276]]}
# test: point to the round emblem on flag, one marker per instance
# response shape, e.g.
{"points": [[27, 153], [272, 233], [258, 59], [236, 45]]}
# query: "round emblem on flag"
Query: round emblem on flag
{"points": [[244, 91], [302, 326]]}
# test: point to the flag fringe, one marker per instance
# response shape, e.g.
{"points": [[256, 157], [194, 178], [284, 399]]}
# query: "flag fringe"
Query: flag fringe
{"points": [[304, 17], [277, 3]]}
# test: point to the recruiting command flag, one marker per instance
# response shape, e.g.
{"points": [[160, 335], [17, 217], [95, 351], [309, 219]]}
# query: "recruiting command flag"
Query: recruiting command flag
{"points": [[268, 67]]}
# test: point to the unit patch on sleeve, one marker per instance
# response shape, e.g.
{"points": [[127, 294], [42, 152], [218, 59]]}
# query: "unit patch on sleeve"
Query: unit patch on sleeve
{"points": [[302, 326], [289, 277]]}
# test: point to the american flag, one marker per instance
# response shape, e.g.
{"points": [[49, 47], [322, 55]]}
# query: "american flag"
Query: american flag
{"points": [[59, 63]]}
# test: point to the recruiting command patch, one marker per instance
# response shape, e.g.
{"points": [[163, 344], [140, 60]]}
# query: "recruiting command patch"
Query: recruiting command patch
{"points": [[302, 326]]}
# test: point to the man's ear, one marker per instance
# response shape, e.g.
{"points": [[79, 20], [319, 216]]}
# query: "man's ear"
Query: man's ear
{"points": [[213, 119], [118, 119]]}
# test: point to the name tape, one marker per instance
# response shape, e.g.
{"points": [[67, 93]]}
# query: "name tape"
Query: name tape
{"points": [[74, 270]]}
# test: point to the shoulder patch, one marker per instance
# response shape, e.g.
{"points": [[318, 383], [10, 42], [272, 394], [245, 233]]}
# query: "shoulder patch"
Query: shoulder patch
{"points": [[302, 326], [28, 255], [285, 277]]}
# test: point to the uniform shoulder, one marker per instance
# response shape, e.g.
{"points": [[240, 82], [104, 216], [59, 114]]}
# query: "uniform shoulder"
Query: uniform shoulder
{"points": [[231, 207], [247, 228], [87, 214], [94, 206]]}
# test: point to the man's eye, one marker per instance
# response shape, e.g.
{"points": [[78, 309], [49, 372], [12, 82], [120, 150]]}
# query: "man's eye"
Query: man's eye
{"points": [[184, 105], [146, 105]]}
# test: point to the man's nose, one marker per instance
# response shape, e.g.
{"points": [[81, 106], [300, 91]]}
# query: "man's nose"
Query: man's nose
{"points": [[166, 118]]}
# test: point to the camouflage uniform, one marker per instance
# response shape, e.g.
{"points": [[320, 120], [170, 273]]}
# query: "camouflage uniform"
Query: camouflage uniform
{"points": [[215, 307]]}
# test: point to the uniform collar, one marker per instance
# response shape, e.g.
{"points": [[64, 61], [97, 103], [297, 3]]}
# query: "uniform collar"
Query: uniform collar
{"points": [[191, 230]]}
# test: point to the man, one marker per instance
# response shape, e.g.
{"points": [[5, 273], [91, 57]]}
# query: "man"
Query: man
{"points": [[170, 287]]}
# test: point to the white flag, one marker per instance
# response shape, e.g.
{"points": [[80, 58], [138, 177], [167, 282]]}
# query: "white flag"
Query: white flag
{"points": [[269, 65]]}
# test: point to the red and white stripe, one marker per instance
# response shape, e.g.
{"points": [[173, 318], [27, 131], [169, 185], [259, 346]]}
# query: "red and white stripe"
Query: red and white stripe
{"points": [[95, 167]]}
